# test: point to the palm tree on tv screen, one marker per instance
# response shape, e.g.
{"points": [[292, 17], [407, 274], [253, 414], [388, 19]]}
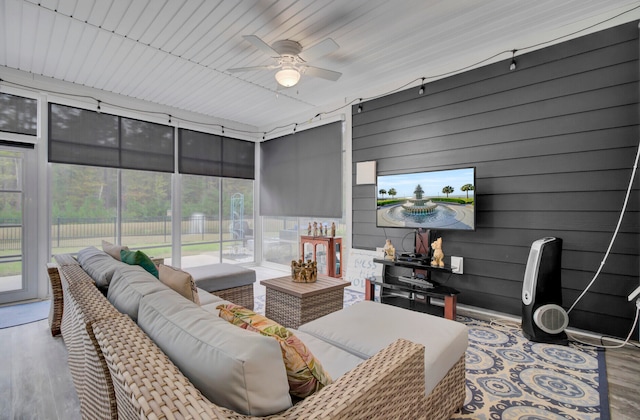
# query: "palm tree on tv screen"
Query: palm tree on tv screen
{"points": [[448, 190], [467, 188]]}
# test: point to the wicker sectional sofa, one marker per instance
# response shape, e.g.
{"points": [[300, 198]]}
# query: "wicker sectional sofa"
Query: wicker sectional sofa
{"points": [[120, 371]]}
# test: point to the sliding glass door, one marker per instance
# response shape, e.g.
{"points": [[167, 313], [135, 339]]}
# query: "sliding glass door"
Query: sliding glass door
{"points": [[18, 280]]}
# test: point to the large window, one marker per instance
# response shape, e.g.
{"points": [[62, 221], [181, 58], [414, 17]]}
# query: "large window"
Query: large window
{"points": [[84, 206], [237, 218], [217, 221], [301, 183], [146, 212], [281, 236], [87, 208], [200, 220], [217, 198], [112, 180]]}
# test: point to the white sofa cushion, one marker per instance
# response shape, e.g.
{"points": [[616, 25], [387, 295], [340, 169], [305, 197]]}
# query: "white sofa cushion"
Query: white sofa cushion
{"points": [[213, 306], [207, 298], [335, 361], [98, 264], [365, 328], [232, 367], [128, 285]]}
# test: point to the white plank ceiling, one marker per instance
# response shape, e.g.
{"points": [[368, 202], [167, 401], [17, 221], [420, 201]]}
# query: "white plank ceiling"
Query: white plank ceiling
{"points": [[176, 52]]}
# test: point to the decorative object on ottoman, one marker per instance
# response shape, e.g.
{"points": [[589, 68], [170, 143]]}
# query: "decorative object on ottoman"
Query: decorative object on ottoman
{"points": [[438, 255], [302, 272], [389, 250]]}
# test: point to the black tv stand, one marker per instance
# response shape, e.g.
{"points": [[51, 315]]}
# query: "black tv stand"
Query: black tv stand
{"points": [[402, 286], [415, 258]]}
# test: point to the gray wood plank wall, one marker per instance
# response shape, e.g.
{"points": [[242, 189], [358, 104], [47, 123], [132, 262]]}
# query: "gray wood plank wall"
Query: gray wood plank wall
{"points": [[553, 143]]}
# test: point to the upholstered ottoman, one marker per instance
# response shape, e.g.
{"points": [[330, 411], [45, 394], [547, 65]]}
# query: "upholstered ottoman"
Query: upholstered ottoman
{"points": [[228, 281], [366, 327]]}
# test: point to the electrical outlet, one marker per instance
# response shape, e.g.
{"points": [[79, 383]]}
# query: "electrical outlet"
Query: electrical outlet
{"points": [[456, 265]]}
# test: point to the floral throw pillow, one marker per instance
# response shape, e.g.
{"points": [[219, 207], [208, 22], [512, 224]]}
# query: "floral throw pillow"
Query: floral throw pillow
{"points": [[304, 372]]}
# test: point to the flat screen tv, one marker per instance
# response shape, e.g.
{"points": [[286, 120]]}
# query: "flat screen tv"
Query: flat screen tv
{"points": [[439, 200]]}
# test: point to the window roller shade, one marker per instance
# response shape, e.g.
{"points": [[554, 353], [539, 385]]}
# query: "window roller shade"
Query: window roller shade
{"points": [[82, 137], [301, 174], [213, 155], [18, 114]]}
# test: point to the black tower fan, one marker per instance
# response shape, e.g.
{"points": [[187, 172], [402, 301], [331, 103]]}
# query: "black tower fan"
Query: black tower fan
{"points": [[543, 318]]}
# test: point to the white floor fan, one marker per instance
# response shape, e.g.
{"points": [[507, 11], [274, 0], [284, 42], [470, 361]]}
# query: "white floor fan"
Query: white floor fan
{"points": [[291, 60]]}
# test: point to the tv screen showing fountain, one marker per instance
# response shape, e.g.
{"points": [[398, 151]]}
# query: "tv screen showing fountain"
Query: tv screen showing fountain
{"points": [[441, 200]]}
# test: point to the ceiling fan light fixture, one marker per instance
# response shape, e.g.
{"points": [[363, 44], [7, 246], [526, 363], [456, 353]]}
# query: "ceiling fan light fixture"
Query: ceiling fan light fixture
{"points": [[288, 76]]}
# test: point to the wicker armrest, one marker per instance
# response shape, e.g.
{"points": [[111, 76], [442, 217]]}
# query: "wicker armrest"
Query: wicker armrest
{"points": [[388, 385], [57, 303]]}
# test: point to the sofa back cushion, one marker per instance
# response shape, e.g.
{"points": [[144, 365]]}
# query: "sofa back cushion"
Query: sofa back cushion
{"points": [[130, 283], [232, 367], [98, 264]]}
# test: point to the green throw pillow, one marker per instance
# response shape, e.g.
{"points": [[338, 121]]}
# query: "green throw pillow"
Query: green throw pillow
{"points": [[139, 258]]}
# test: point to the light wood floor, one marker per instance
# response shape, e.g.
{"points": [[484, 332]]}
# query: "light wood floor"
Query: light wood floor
{"points": [[623, 375], [35, 382], [34, 379]]}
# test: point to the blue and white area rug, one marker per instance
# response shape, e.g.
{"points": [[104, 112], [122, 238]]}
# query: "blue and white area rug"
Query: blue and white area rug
{"points": [[24, 313], [510, 377]]}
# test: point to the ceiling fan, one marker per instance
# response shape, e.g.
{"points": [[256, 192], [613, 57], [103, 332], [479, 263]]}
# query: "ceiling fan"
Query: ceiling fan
{"points": [[291, 60]]}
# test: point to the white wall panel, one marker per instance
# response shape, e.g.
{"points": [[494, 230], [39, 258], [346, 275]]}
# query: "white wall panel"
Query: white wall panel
{"points": [[82, 50], [75, 31], [99, 12], [81, 9]]}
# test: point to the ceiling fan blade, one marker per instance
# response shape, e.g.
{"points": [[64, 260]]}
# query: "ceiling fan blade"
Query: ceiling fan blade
{"points": [[319, 50], [322, 73], [254, 68], [261, 45]]}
